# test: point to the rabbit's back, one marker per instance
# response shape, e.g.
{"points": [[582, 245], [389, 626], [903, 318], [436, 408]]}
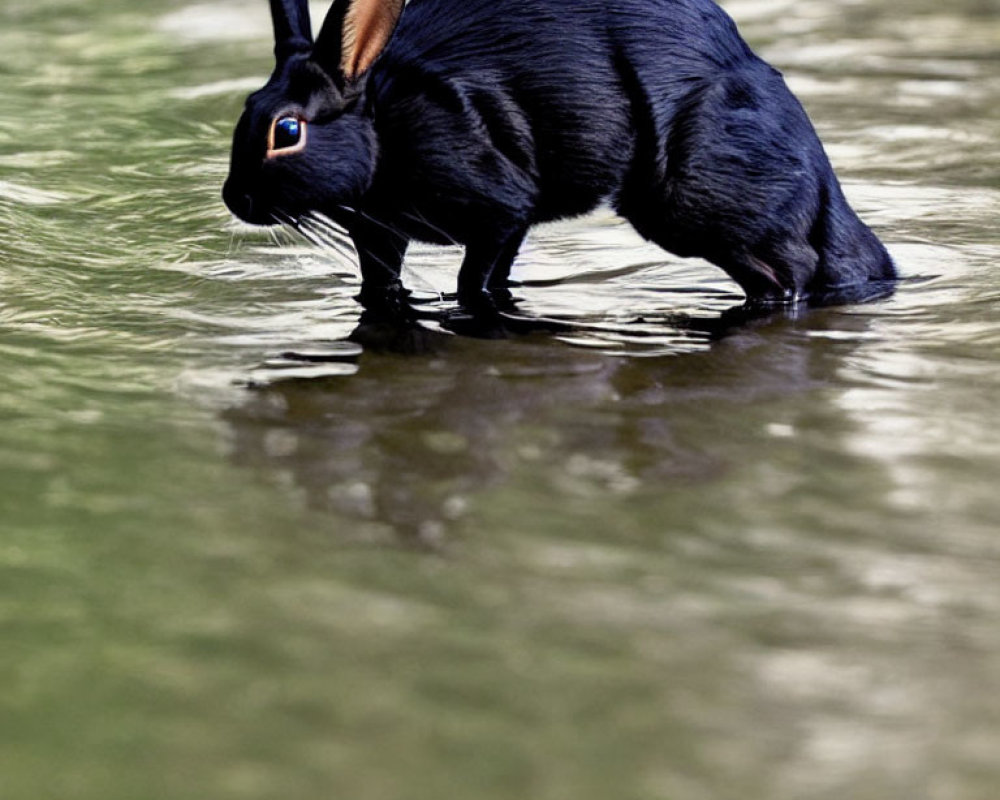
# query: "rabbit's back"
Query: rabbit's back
{"points": [[568, 88], [565, 36]]}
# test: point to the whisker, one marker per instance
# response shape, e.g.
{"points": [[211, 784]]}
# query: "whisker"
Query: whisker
{"points": [[316, 238], [430, 226], [324, 234], [328, 225], [383, 225], [424, 282], [329, 235]]}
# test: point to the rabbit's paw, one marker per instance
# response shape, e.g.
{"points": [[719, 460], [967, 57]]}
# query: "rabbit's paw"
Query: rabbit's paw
{"points": [[389, 303]]}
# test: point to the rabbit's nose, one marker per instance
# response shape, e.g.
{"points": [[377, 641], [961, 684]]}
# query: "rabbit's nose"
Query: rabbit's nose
{"points": [[240, 203]]}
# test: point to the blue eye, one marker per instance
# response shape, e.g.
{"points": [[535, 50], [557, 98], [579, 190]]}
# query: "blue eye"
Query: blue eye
{"points": [[287, 134]]}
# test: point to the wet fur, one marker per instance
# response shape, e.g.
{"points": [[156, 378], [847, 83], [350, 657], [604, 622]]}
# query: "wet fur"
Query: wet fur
{"points": [[483, 118]]}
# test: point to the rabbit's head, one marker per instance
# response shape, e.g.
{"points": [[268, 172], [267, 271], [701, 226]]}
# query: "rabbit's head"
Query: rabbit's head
{"points": [[306, 140]]}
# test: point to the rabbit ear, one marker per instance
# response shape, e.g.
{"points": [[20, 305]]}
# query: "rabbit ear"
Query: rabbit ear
{"points": [[292, 28], [354, 34]]}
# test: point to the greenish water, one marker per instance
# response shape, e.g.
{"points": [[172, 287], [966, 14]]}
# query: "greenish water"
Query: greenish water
{"points": [[624, 562]]}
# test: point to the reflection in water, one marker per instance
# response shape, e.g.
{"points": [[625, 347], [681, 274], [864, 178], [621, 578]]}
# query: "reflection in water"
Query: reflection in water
{"points": [[409, 438]]}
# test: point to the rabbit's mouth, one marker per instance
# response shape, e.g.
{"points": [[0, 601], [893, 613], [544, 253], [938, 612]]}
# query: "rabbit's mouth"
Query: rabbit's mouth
{"points": [[243, 205]]}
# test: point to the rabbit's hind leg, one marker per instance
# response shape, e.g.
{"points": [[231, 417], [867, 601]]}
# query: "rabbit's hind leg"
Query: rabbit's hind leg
{"points": [[764, 273], [741, 185]]}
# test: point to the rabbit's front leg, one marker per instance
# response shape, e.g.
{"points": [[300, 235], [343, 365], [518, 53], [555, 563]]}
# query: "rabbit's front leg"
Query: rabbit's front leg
{"points": [[380, 256], [483, 277]]}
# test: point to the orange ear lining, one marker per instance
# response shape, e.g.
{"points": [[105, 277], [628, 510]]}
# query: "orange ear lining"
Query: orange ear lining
{"points": [[368, 26]]}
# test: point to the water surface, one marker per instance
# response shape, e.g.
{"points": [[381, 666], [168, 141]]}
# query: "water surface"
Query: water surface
{"points": [[623, 560]]}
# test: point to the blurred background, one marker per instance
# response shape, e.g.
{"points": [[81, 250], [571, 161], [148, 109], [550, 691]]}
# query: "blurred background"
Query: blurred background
{"points": [[626, 559]]}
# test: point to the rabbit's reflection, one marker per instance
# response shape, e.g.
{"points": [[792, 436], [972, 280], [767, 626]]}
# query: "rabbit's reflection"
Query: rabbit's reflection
{"points": [[430, 421]]}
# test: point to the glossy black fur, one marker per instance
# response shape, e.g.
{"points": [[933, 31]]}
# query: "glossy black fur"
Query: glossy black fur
{"points": [[485, 117]]}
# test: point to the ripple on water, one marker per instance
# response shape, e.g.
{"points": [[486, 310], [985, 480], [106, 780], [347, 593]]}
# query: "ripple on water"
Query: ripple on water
{"points": [[762, 566]]}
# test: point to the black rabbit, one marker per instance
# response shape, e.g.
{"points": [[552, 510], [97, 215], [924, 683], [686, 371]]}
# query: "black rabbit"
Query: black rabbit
{"points": [[468, 122]]}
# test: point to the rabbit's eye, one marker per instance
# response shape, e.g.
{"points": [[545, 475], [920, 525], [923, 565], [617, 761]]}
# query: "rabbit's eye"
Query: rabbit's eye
{"points": [[288, 135]]}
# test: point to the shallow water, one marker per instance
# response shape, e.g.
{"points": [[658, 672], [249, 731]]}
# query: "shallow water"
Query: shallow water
{"points": [[622, 560]]}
